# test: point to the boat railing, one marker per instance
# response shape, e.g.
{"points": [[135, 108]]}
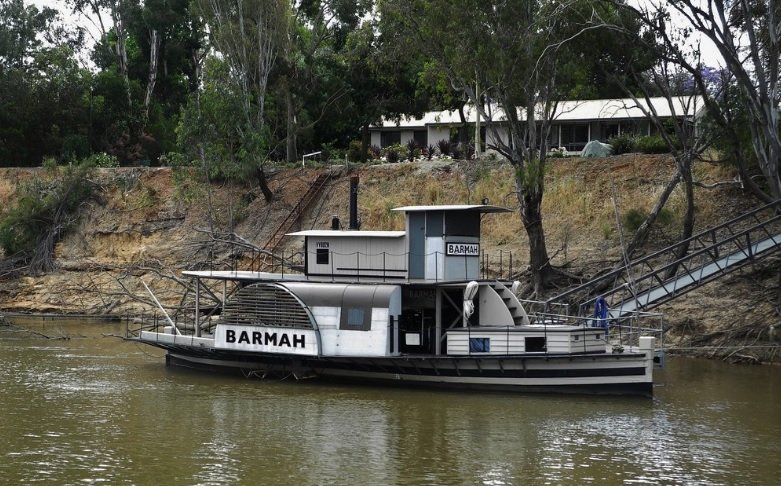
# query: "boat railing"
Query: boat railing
{"points": [[538, 306], [386, 266], [624, 332], [135, 325], [627, 330]]}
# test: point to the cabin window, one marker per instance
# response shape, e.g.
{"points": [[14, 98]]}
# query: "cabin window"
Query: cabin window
{"points": [[462, 223], [321, 256], [479, 345], [535, 345], [355, 319]]}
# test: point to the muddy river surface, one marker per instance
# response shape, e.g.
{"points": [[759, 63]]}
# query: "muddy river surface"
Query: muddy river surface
{"points": [[95, 409]]}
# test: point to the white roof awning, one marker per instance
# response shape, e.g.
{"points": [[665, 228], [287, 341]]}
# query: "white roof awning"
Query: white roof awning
{"points": [[349, 234], [478, 208]]}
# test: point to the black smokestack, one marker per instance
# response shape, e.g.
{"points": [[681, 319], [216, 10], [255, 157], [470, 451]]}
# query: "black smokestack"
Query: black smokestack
{"points": [[354, 223]]}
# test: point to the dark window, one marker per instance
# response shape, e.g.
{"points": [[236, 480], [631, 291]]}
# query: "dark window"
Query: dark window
{"points": [[390, 138], [462, 223], [355, 319], [609, 131], [322, 256], [479, 345], [535, 345], [421, 138], [574, 137]]}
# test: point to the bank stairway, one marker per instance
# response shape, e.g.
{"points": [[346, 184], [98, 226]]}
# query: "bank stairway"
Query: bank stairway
{"points": [[265, 257], [659, 277]]}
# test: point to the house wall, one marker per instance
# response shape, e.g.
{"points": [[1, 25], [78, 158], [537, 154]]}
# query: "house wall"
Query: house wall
{"points": [[375, 139], [437, 133]]}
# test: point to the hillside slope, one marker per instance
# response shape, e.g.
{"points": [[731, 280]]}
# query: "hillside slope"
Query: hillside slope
{"points": [[151, 223]]}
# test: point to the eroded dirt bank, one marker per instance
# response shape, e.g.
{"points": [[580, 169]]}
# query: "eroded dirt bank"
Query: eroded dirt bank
{"points": [[149, 224]]}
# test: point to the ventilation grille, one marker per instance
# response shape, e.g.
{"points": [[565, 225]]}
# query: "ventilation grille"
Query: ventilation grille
{"points": [[265, 305]]}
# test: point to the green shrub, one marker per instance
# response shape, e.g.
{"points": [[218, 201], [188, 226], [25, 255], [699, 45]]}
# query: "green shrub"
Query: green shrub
{"points": [[652, 144], [623, 144], [101, 160], [354, 151], [393, 153], [665, 217], [431, 150], [412, 150], [633, 218], [444, 147], [557, 153]]}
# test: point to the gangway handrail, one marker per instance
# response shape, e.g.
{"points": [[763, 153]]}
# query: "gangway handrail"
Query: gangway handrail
{"points": [[710, 231], [741, 257]]}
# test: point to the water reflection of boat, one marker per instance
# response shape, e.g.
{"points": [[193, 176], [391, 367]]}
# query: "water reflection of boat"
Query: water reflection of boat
{"points": [[405, 307]]}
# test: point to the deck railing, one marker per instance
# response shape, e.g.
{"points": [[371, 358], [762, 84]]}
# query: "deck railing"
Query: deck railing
{"points": [[380, 266]]}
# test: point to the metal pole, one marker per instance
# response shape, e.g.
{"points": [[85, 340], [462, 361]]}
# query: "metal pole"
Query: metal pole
{"points": [[197, 307]]}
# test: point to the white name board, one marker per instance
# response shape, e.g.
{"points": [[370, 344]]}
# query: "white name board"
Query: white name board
{"points": [[462, 249], [266, 339]]}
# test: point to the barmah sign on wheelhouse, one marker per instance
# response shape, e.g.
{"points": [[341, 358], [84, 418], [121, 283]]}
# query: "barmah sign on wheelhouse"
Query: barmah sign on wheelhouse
{"points": [[462, 249]]}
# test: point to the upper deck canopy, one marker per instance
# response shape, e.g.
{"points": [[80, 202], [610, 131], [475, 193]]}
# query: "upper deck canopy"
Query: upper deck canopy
{"points": [[353, 234], [477, 208]]}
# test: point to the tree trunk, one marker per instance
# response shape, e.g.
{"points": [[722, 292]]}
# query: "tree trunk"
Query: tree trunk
{"points": [[365, 140], [687, 230], [260, 174], [292, 151], [121, 51], [531, 216], [642, 232], [154, 45]]}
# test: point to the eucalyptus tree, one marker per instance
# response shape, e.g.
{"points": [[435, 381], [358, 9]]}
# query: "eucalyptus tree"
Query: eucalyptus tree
{"points": [[310, 80], [143, 55], [42, 87], [248, 36], [518, 52], [747, 37]]}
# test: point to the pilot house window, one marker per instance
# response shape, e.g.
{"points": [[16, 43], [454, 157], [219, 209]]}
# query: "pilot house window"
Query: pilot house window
{"points": [[355, 319], [322, 256]]}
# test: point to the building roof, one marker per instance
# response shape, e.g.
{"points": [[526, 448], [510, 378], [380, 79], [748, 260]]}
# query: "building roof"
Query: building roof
{"points": [[349, 234], [478, 208], [570, 111]]}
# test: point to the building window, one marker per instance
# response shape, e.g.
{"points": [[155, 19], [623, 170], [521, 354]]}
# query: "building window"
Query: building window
{"points": [[574, 136], [355, 319], [321, 256], [479, 345], [390, 138], [535, 345], [421, 138]]}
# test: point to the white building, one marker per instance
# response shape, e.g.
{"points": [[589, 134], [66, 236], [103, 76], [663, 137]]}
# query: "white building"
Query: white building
{"points": [[575, 123]]}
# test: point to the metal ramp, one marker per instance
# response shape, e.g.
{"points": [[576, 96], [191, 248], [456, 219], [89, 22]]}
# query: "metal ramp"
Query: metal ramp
{"points": [[264, 258], [652, 280]]}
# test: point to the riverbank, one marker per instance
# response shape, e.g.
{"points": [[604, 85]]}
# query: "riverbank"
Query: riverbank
{"points": [[149, 224]]}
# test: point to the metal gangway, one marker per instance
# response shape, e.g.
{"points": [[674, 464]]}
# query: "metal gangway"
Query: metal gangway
{"points": [[659, 277]]}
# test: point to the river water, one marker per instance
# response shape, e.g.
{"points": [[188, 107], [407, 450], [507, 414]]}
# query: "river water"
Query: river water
{"points": [[95, 409]]}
